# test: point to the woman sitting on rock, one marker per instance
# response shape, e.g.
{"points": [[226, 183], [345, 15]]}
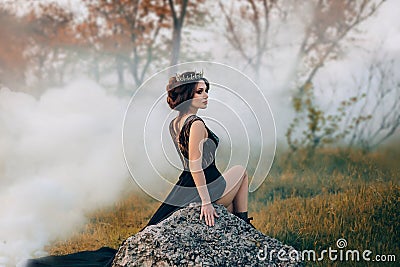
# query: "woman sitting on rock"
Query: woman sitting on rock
{"points": [[200, 180]]}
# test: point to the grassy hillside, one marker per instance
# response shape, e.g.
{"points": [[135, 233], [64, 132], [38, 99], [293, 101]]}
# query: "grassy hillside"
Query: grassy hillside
{"points": [[308, 201]]}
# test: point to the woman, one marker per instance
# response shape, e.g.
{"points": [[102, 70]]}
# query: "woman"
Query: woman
{"points": [[200, 181]]}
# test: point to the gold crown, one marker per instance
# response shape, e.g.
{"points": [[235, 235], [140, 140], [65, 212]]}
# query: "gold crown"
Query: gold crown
{"points": [[193, 76]]}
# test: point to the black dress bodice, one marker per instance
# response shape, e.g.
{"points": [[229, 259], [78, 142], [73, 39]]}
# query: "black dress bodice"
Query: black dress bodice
{"points": [[182, 143], [185, 192]]}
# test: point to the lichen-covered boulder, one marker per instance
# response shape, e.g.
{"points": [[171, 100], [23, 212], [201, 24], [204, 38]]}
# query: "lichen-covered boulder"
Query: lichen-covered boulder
{"points": [[183, 240]]}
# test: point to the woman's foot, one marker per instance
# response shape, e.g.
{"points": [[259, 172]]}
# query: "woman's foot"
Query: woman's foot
{"points": [[248, 221], [244, 217]]}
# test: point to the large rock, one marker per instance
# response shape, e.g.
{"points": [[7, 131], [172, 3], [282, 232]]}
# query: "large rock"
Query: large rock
{"points": [[183, 240]]}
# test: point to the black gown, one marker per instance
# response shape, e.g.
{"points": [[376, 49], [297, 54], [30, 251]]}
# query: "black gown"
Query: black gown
{"points": [[185, 192], [182, 194]]}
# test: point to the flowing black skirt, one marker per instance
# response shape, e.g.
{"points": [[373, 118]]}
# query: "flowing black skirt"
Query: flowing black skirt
{"points": [[185, 192], [99, 258]]}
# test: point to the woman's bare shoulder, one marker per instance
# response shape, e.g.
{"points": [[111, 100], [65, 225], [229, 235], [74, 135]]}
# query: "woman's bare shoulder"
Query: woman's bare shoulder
{"points": [[198, 128]]}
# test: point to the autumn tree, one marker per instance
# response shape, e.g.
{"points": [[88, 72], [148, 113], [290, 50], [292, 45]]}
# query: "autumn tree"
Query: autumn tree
{"points": [[35, 45], [13, 64], [53, 42], [140, 34], [128, 31]]}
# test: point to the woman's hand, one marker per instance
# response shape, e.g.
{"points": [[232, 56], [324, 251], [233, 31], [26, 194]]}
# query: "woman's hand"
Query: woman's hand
{"points": [[208, 211]]}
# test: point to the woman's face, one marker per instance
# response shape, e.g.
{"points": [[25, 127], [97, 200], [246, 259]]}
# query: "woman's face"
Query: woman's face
{"points": [[200, 98]]}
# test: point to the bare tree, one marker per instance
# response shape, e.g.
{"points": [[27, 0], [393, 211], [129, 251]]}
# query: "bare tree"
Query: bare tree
{"points": [[184, 12], [326, 28], [177, 20], [326, 31], [363, 120], [319, 126], [382, 105], [251, 43]]}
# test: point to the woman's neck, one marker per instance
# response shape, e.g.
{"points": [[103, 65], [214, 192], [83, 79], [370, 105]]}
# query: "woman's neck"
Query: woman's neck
{"points": [[188, 113]]}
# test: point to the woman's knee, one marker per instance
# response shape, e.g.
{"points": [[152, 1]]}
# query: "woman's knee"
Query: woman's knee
{"points": [[235, 177], [240, 170], [244, 179]]}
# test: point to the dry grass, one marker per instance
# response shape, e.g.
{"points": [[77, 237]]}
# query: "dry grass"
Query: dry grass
{"points": [[308, 201], [109, 226], [367, 217]]}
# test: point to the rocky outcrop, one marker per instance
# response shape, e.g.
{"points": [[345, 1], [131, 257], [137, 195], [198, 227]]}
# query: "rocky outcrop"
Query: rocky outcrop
{"points": [[183, 240]]}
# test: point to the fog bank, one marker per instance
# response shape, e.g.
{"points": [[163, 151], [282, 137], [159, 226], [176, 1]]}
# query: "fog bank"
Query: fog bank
{"points": [[61, 156]]}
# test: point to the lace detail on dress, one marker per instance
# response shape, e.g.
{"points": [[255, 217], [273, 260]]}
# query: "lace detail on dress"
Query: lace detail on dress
{"points": [[182, 143]]}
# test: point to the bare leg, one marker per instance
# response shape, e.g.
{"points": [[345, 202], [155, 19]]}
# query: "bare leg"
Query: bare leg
{"points": [[241, 198], [236, 183], [230, 208]]}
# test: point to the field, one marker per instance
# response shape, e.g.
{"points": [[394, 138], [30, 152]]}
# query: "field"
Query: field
{"points": [[309, 201]]}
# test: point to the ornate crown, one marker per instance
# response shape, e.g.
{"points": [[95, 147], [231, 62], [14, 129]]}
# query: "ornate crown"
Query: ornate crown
{"points": [[193, 76]]}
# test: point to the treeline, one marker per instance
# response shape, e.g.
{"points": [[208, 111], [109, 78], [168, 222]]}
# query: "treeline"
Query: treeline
{"points": [[44, 45]]}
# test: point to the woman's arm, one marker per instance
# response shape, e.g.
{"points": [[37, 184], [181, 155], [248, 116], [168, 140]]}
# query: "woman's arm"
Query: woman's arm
{"points": [[196, 139]]}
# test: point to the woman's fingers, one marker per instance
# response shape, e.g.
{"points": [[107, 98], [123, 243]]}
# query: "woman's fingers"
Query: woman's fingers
{"points": [[209, 220], [202, 214], [208, 214], [215, 213]]}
